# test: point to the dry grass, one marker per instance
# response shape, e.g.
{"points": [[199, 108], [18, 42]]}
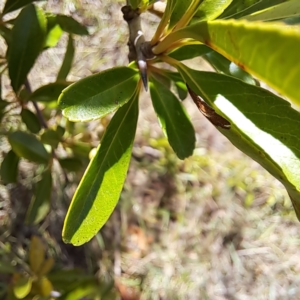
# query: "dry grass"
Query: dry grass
{"points": [[215, 226]]}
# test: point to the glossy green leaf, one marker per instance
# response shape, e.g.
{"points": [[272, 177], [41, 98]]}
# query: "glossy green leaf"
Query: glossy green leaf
{"points": [[49, 92], [239, 8], [225, 66], [9, 168], [70, 25], [95, 96], [71, 164], [180, 86], [22, 286], [284, 10], [211, 9], [40, 202], [101, 185], [68, 60], [51, 137], [237, 41], [28, 146], [263, 125], [179, 10], [189, 51], [54, 31], [11, 5], [31, 120], [26, 44], [173, 119]]}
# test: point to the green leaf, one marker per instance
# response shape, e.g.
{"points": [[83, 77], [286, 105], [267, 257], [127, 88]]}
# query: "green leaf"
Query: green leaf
{"points": [[71, 164], [173, 119], [9, 168], [237, 41], [189, 51], [22, 287], [284, 10], [239, 8], [263, 125], [49, 92], [68, 60], [5, 33], [225, 66], [95, 96], [70, 25], [54, 31], [11, 5], [28, 146], [101, 185], [40, 202], [26, 44], [31, 120], [6, 268], [211, 9], [179, 10], [51, 137]]}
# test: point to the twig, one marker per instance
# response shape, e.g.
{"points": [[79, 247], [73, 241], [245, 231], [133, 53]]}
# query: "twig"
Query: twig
{"points": [[139, 49]]}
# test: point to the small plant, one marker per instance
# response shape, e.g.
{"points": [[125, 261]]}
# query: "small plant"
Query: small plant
{"points": [[240, 39], [236, 39]]}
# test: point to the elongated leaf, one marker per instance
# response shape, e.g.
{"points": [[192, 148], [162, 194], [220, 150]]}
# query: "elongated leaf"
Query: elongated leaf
{"points": [[211, 9], [36, 254], [189, 51], [173, 119], [28, 146], [239, 8], [9, 168], [101, 185], [26, 43], [40, 202], [31, 120], [98, 95], [22, 286], [284, 10], [178, 11], [68, 60], [11, 5], [237, 41], [263, 125], [70, 25], [49, 92], [225, 66]]}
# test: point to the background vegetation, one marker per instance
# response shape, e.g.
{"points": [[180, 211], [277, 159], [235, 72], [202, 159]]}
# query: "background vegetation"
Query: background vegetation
{"points": [[214, 226]]}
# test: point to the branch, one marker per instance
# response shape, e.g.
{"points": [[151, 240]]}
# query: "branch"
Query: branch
{"points": [[139, 49]]}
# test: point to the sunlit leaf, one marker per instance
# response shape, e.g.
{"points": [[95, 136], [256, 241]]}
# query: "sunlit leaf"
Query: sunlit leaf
{"points": [[210, 9], [95, 96], [263, 125], [54, 31], [40, 202], [173, 119], [237, 41], [101, 185], [22, 286], [26, 43], [284, 10], [9, 168], [28, 146]]}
